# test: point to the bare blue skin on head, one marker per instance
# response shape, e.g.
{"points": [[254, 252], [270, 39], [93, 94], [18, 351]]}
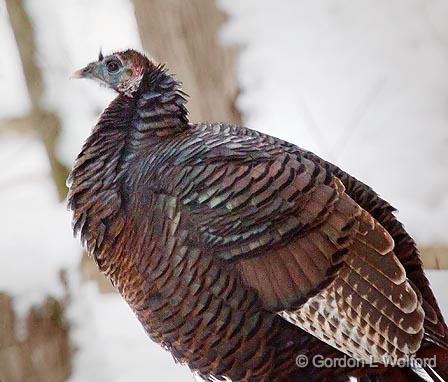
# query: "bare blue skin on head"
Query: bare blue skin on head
{"points": [[112, 71]]}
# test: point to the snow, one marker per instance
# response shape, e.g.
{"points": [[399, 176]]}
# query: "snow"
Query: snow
{"points": [[113, 345], [36, 243], [13, 93], [362, 84], [438, 279]]}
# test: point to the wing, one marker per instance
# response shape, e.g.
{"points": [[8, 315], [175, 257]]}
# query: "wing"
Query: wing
{"points": [[405, 249], [294, 235]]}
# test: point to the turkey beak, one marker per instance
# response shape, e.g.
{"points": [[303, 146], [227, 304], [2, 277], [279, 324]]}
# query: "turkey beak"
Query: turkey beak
{"points": [[85, 72]]}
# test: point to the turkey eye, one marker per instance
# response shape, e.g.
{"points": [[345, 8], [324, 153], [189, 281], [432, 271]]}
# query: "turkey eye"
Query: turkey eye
{"points": [[112, 66]]}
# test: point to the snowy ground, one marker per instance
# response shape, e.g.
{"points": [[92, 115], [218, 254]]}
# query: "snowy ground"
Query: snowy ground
{"points": [[113, 345], [36, 241]]}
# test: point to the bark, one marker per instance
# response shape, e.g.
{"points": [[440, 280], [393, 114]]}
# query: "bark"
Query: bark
{"points": [[435, 257], [185, 36], [43, 356]]}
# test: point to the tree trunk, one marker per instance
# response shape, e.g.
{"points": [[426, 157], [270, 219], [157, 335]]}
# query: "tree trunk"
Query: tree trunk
{"points": [[44, 355], [185, 36]]}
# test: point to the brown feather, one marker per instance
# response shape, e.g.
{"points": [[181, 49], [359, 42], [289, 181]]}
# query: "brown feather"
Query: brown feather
{"points": [[220, 237]]}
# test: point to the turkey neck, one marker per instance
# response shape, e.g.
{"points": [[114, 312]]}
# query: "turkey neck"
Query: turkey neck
{"points": [[128, 128], [160, 110]]}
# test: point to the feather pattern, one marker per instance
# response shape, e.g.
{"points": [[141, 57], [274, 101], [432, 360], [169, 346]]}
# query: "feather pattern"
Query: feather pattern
{"points": [[238, 251]]}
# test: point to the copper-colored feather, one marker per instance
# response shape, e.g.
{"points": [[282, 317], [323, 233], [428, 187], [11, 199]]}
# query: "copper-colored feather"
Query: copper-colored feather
{"points": [[238, 251]]}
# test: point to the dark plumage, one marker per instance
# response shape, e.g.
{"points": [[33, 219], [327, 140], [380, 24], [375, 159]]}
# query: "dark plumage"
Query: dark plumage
{"points": [[238, 251]]}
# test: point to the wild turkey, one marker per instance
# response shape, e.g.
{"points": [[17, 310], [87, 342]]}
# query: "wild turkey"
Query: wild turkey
{"points": [[238, 251]]}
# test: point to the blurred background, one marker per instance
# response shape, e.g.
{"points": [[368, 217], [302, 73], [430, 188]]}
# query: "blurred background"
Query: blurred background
{"points": [[362, 83]]}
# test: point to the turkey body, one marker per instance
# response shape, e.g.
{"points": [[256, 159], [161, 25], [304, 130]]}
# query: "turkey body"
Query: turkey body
{"points": [[238, 251]]}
